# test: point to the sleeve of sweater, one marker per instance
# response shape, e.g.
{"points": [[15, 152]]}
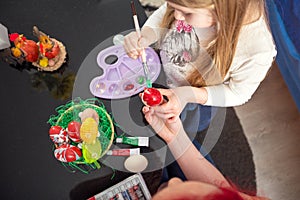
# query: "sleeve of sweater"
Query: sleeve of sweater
{"points": [[254, 56], [155, 19], [241, 85]]}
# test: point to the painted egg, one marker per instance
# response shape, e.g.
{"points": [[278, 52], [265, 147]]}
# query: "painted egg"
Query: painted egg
{"points": [[58, 135], [91, 152], [67, 153], [73, 131], [89, 112], [151, 97], [89, 130]]}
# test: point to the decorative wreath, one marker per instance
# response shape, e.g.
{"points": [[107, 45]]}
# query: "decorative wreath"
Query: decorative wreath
{"points": [[82, 133]]}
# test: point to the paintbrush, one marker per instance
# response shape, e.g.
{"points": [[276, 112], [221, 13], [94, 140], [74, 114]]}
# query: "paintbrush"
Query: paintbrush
{"points": [[143, 56]]}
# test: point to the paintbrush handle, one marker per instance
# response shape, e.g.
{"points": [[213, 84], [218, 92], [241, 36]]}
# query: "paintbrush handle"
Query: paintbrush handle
{"points": [[143, 56], [137, 26], [138, 32]]}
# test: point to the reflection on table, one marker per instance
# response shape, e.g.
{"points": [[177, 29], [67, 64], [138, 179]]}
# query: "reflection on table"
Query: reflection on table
{"points": [[31, 96]]}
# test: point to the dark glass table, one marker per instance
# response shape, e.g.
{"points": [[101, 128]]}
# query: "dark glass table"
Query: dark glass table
{"points": [[29, 169]]}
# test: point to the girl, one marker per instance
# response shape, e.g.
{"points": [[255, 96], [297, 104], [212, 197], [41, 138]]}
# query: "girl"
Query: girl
{"points": [[214, 53]]}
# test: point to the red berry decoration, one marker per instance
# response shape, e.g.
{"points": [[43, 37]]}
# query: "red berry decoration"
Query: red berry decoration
{"points": [[151, 97], [74, 131]]}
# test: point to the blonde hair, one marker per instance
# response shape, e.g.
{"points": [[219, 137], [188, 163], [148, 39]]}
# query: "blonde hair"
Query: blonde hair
{"points": [[229, 15]]}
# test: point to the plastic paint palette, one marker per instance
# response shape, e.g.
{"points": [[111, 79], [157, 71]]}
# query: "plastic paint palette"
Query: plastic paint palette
{"points": [[123, 76]]}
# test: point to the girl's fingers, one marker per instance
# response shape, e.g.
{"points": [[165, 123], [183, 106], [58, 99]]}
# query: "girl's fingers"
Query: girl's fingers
{"points": [[145, 109], [172, 119], [165, 92], [127, 44], [166, 108], [165, 116], [130, 45], [164, 112]]}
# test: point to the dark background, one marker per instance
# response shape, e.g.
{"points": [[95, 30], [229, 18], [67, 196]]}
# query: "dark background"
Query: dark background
{"points": [[28, 97]]}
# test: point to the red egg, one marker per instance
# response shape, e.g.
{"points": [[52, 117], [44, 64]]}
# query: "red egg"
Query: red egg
{"points": [[74, 131], [67, 153], [151, 97], [58, 135]]}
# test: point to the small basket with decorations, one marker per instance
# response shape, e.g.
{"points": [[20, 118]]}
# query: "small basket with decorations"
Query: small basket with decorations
{"points": [[82, 133], [52, 53], [48, 54]]}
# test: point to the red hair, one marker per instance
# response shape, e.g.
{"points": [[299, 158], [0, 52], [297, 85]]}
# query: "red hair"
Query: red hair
{"points": [[225, 194]]}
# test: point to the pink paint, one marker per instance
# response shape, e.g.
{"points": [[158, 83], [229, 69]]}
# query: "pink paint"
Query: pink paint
{"points": [[124, 152]]}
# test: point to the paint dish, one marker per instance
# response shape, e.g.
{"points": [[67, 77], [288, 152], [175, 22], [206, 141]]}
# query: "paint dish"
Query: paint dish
{"points": [[118, 39], [123, 76]]}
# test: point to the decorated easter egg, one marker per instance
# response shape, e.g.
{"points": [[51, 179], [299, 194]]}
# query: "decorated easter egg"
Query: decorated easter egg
{"points": [[91, 152], [67, 153], [73, 131], [89, 130], [58, 135], [151, 97], [89, 112]]}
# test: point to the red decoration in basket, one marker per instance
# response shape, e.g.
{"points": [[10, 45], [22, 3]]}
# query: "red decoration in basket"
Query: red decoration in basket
{"points": [[73, 131], [67, 153], [151, 97], [47, 48], [24, 47], [58, 135]]}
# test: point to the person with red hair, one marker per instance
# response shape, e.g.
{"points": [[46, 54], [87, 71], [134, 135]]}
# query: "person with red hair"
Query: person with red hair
{"points": [[204, 180]]}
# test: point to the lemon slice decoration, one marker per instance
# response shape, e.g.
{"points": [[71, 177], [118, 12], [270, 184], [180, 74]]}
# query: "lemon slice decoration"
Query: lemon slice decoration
{"points": [[89, 130], [91, 152]]}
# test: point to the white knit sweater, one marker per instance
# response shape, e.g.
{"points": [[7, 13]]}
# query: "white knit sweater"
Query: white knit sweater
{"points": [[253, 58]]}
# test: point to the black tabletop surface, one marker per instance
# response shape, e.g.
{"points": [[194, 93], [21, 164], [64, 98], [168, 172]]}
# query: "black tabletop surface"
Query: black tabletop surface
{"points": [[28, 97]]}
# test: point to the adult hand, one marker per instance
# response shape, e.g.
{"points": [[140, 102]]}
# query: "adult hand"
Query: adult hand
{"points": [[177, 100], [166, 130], [134, 45]]}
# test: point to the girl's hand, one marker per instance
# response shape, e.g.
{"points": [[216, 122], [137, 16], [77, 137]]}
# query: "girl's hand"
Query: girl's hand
{"points": [[134, 45], [177, 98], [165, 129]]}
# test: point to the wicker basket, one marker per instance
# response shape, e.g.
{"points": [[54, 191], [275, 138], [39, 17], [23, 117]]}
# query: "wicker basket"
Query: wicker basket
{"points": [[61, 59], [70, 111]]}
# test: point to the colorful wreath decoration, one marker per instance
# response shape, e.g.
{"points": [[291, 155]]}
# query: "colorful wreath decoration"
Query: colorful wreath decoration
{"points": [[48, 54], [82, 133]]}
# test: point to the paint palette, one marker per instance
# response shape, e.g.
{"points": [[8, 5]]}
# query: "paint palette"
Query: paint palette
{"points": [[123, 76]]}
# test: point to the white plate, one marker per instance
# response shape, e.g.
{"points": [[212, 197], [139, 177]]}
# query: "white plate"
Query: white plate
{"points": [[136, 163]]}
